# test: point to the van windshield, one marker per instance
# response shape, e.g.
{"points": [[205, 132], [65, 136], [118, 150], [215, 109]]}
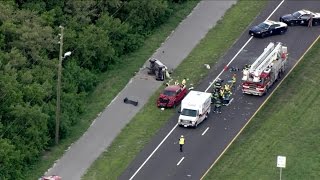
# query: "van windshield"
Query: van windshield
{"points": [[189, 112]]}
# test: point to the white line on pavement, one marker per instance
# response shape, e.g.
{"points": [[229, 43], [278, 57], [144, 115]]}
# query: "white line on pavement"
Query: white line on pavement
{"points": [[153, 151], [180, 161], [205, 91], [205, 131]]}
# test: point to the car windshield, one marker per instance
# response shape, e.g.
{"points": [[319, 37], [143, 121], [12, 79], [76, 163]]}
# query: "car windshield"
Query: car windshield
{"points": [[263, 26], [169, 93], [296, 14], [189, 112]]}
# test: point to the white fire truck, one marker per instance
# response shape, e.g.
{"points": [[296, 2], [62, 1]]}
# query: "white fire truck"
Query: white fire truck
{"points": [[266, 70]]}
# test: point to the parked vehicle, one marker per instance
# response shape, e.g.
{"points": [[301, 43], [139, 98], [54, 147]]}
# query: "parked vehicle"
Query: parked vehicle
{"points": [[172, 96], [268, 28], [301, 17], [195, 108], [266, 70]]}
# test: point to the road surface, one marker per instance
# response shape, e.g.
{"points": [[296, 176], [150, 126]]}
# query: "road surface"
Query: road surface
{"points": [[161, 158], [108, 124]]}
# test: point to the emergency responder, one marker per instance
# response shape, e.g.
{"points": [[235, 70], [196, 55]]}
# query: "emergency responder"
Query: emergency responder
{"points": [[184, 81], [310, 20], [181, 143], [217, 85], [233, 80], [227, 88], [217, 106], [215, 95], [226, 98], [221, 92]]}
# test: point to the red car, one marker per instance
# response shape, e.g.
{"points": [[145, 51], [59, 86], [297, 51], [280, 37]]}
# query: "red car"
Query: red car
{"points": [[53, 177], [171, 96]]}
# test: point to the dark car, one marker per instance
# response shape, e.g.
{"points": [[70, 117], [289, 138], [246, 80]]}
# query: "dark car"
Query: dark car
{"points": [[301, 18], [268, 28], [172, 96]]}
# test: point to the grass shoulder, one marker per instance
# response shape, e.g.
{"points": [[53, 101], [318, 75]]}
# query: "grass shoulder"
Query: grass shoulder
{"points": [[146, 123]]}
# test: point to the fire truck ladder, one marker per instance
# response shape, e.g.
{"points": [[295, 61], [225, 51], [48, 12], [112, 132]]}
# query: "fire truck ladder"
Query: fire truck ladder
{"points": [[265, 59]]}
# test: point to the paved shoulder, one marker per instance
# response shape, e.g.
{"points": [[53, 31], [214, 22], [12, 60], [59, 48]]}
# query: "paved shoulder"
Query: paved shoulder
{"points": [[105, 128]]}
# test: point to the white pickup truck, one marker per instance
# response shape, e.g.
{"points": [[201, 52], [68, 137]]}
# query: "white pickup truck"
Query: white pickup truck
{"points": [[195, 108]]}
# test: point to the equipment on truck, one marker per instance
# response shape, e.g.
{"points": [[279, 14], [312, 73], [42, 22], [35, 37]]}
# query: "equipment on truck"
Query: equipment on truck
{"points": [[266, 70], [195, 108], [158, 69]]}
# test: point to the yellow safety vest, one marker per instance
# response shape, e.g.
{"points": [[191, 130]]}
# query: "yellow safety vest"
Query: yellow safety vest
{"points": [[181, 141]]}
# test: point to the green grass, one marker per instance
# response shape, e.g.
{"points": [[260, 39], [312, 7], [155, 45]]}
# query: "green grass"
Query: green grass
{"points": [[288, 125], [112, 83], [146, 123]]}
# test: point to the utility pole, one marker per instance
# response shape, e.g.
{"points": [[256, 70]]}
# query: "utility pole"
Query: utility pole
{"points": [[59, 87]]}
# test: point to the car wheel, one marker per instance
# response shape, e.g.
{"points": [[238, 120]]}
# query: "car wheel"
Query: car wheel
{"points": [[263, 35], [315, 23], [196, 125], [282, 31], [291, 23]]}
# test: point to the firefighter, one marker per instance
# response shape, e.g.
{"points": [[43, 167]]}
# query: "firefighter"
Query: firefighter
{"points": [[227, 88], [233, 80], [217, 106], [221, 92], [183, 82], [181, 143], [217, 85], [215, 95], [226, 98]]}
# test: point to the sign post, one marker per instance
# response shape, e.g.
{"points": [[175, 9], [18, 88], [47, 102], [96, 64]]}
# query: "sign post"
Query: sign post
{"points": [[281, 163]]}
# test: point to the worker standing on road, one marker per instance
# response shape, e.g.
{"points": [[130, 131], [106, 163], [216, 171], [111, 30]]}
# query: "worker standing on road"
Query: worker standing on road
{"points": [[310, 20], [184, 81], [217, 106], [181, 143]]}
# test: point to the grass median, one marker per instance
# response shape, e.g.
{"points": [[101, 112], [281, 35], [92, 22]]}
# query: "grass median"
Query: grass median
{"points": [[146, 123], [111, 84], [287, 125]]}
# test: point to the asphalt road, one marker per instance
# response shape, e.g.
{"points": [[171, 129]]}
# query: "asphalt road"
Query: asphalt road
{"points": [[109, 123], [205, 144]]}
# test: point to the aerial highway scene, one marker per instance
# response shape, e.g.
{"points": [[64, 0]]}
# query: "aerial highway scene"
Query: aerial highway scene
{"points": [[159, 89]]}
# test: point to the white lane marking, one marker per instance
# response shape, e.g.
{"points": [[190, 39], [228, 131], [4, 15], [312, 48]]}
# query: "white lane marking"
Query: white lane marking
{"points": [[154, 151], [275, 9], [205, 91], [205, 131], [180, 161], [234, 57]]}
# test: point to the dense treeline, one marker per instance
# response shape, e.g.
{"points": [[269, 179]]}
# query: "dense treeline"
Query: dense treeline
{"points": [[98, 32]]}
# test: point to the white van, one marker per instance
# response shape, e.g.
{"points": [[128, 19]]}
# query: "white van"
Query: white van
{"points": [[195, 108]]}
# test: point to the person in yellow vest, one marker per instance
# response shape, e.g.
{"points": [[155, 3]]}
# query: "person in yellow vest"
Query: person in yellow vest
{"points": [[227, 87], [181, 143], [184, 81], [221, 92]]}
